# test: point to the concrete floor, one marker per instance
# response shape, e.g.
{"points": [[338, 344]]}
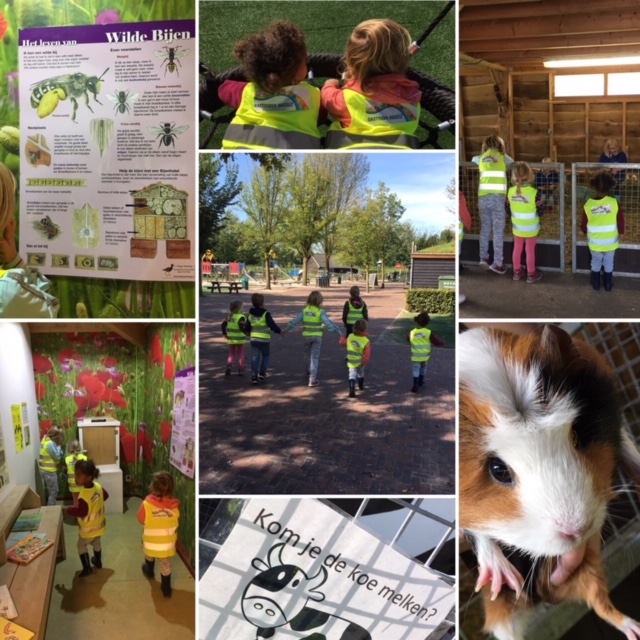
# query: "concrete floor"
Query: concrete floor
{"points": [[118, 600]]}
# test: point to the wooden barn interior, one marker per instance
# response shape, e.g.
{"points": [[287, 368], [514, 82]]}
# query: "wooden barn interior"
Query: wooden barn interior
{"points": [[505, 87]]}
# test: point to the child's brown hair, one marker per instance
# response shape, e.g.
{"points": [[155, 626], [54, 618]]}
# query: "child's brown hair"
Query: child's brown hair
{"points": [[161, 484], [377, 47], [73, 446], [235, 307], [56, 434], [354, 292], [493, 142], [271, 57], [7, 196], [257, 300], [422, 319], [521, 173], [88, 468], [603, 181], [360, 326], [314, 299]]}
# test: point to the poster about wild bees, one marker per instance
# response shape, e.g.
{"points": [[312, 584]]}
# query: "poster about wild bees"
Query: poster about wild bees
{"points": [[183, 426], [108, 148]]}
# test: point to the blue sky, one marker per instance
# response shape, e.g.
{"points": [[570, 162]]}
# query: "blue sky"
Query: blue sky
{"points": [[419, 180]]}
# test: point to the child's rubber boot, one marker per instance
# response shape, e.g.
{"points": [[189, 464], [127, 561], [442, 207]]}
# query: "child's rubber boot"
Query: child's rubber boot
{"points": [[352, 388], [96, 561], [595, 280], [361, 384], [147, 568], [420, 380], [165, 585], [86, 565], [416, 384], [608, 281]]}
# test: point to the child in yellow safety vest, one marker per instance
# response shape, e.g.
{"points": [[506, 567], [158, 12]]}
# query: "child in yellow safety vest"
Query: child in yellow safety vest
{"points": [[314, 319], [378, 105], [160, 515], [51, 454], [276, 109], [358, 354], [90, 514], [234, 330], [355, 308], [74, 454], [525, 207], [421, 340], [259, 326], [603, 222]]}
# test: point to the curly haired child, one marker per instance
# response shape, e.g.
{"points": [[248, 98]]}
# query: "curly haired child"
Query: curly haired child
{"points": [[160, 515], [90, 514], [276, 109], [603, 222], [378, 106], [74, 454]]}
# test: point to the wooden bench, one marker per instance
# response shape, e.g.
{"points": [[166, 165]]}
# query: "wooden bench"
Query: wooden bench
{"points": [[30, 585], [217, 284]]}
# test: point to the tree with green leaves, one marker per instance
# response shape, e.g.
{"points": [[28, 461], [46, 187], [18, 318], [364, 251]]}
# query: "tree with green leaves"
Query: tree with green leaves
{"points": [[266, 201], [215, 195]]}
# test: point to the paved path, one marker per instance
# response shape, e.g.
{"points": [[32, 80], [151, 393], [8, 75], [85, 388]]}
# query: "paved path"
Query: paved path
{"points": [[282, 437], [557, 295]]}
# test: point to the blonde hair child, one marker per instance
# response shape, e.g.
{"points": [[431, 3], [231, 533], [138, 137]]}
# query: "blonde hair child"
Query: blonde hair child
{"points": [[234, 330], [51, 454], [74, 454]]}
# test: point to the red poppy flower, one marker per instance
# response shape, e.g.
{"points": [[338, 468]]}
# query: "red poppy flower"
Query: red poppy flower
{"points": [[69, 359], [189, 340], [156, 350], [114, 397], [45, 425], [148, 450], [41, 364], [109, 379], [53, 377], [169, 369], [128, 442], [40, 390], [108, 362], [123, 430], [165, 431], [3, 25], [94, 386]]}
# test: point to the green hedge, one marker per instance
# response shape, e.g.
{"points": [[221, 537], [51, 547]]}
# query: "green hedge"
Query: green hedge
{"points": [[437, 301]]}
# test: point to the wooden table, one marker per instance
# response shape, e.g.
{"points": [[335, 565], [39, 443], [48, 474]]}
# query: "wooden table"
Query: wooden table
{"points": [[217, 284], [30, 585]]}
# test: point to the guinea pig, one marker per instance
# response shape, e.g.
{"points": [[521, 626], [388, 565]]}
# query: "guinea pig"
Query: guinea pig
{"points": [[540, 439]]}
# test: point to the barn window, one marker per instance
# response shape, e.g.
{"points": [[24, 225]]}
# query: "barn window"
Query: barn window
{"points": [[587, 84], [623, 84]]}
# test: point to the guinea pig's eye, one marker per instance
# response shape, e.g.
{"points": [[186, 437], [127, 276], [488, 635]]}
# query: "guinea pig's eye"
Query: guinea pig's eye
{"points": [[500, 472]]}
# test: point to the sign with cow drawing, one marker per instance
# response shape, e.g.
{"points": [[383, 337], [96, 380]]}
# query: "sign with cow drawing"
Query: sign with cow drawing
{"points": [[296, 569]]}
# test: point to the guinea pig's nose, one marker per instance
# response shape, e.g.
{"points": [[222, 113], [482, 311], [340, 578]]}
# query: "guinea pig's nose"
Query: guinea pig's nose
{"points": [[571, 533]]}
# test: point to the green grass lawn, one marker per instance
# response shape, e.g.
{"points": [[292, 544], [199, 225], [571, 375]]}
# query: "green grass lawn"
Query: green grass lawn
{"points": [[443, 326], [447, 247], [327, 26]]}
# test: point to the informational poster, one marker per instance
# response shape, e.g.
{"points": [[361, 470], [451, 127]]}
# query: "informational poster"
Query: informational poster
{"points": [[4, 469], [16, 418], [108, 148], [183, 428], [296, 568], [26, 430]]}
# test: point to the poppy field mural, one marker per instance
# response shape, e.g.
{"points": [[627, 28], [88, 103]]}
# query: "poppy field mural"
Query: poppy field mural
{"points": [[85, 297], [80, 375]]}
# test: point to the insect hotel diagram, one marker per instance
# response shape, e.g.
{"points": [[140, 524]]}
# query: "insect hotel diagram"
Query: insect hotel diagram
{"points": [[109, 150]]}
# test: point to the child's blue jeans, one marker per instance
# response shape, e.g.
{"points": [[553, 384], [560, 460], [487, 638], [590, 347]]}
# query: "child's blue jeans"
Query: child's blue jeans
{"points": [[260, 349], [419, 369], [600, 259]]}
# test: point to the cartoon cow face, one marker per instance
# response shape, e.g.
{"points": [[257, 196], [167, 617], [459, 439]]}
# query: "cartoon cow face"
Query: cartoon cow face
{"points": [[280, 591]]}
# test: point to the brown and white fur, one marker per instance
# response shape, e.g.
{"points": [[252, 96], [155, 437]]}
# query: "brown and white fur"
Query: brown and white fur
{"points": [[540, 439]]}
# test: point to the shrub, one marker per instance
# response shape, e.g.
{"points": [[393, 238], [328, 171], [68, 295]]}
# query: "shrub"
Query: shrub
{"points": [[437, 301]]}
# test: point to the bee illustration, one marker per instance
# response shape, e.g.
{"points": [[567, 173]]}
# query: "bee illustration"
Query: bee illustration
{"points": [[46, 94], [47, 228], [122, 99], [171, 57], [168, 132]]}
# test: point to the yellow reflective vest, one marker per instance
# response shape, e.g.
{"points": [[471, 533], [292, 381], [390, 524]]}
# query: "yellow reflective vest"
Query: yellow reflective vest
{"points": [[46, 462], [259, 328], [355, 350], [70, 461], [160, 530], [311, 322], [525, 222], [94, 523], [493, 173], [354, 313], [420, 339], [602, 223], [286, 120], [234, 334], [375, 124]]}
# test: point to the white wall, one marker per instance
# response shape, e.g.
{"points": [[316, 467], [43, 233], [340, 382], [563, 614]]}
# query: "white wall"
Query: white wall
{"points": [[17, 385]]}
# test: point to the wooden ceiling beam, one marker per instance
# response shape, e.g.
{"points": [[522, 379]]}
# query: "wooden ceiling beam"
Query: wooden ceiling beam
{"points": [[535, 10], [559, 26]]}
